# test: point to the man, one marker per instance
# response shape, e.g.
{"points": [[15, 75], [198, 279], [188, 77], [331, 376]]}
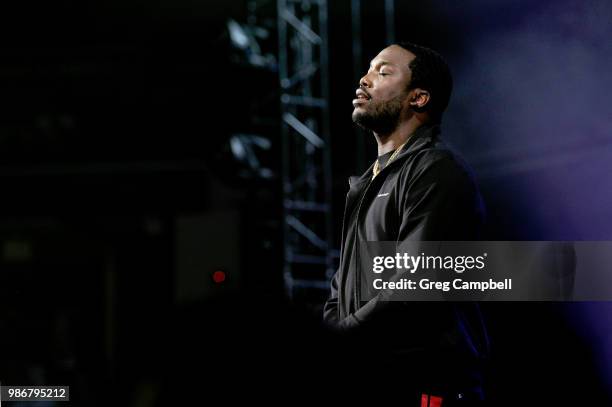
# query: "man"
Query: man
{"points": [[416, 190]]}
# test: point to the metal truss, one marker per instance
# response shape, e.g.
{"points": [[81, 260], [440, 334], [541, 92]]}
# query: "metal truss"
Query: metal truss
{"points": [[309, 260]]}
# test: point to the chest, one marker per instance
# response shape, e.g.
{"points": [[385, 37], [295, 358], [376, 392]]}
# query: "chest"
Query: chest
{"points": [[377, 215]]}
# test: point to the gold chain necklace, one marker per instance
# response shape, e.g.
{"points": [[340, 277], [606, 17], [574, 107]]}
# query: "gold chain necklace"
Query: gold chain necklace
{"points": [[377, 168]]}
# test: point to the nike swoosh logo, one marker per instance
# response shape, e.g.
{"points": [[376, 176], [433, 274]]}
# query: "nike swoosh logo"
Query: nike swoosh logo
{"points": [[385, 194]]}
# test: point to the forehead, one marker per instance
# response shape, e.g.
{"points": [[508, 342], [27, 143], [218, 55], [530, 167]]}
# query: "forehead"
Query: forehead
{"points": [[393, 55]]}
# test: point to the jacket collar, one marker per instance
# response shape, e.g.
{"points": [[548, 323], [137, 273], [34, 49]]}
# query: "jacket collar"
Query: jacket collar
{"points": [[420, 138]]}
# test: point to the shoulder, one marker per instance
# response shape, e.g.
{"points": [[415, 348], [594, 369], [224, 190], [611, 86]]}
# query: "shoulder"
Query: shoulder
{"points": [[437, 161]]}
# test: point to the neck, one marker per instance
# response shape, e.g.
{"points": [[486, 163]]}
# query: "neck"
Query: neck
{"points": [[391, 141]]}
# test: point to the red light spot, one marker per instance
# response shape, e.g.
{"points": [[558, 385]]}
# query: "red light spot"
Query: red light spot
{"points": [[218, 277]]}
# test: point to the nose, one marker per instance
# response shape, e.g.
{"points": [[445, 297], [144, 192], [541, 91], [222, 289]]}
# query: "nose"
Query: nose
{"points": [[365, 82]]}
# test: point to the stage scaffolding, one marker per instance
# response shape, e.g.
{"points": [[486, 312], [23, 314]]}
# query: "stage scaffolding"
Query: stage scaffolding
{"points": [[303, 51], [309, 258]]}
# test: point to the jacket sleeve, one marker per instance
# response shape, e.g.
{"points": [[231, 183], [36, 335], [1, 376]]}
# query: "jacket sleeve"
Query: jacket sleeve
{"points": [[330, 310], [331, 314]]}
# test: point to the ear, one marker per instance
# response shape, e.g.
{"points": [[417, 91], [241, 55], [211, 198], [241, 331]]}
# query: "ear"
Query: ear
{"points": [[419, 99]]}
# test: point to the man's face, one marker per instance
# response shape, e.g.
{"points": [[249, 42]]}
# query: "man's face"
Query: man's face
{"points": [[383, 91]]}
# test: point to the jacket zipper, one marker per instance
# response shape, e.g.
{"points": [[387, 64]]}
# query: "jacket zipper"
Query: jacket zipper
{"points": [[357, 290]]}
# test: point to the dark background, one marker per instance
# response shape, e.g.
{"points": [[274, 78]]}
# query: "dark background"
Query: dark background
{"points": [[120, 197]]}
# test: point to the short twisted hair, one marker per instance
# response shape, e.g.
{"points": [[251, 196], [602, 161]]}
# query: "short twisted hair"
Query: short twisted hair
{"points": [[430, 72]]}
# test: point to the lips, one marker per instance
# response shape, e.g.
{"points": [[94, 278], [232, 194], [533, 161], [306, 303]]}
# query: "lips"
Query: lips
{"points": [[362, 94], [362, 97]]}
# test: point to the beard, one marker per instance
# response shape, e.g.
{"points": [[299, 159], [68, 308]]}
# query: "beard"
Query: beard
{"points": [[379, 117]]}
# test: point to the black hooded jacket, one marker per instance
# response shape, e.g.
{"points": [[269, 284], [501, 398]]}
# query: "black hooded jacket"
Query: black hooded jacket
{"points": [[425, 194]]}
